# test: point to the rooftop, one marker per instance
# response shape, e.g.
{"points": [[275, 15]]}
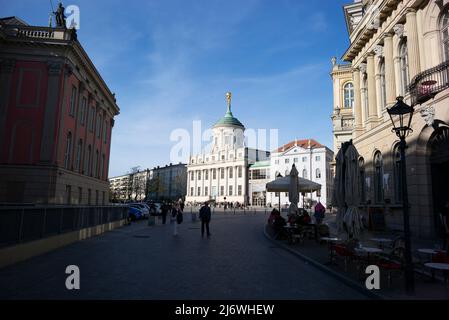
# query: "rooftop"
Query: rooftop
{"points": [[300, 143], [229, 120]]}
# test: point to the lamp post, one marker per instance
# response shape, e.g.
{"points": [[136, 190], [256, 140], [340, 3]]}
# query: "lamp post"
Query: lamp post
{"points": [[401, 117]]}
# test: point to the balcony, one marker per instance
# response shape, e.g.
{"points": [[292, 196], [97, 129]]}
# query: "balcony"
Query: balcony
{"points": [[429, 83]]}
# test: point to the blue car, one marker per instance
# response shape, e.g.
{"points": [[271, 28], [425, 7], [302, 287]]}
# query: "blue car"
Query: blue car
{"points": [[135, 213]]}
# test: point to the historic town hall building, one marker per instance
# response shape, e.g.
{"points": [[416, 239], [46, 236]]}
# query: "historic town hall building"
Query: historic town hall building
{"points": [[222, 174]]}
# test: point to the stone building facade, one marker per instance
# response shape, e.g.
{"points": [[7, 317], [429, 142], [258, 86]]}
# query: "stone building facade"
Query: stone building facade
{"points": [[56, 118], [400, 48], [222, 174]]}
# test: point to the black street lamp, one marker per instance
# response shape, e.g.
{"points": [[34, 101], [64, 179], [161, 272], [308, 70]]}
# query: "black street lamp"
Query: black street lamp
{"points": [[401, 116]]}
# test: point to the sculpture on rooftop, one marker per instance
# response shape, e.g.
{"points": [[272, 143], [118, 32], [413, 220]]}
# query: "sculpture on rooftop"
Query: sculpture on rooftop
{"points": [[60, 17]]}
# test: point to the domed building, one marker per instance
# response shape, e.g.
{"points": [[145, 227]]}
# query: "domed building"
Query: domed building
{"points": [[222, 174]]}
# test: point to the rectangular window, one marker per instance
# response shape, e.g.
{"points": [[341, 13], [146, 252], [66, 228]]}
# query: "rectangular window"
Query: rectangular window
{"points": [[80, 195], [259, 174], [98, 126], [68, 151], [239, 190], [230, 190], [240, 171], [304, 159], [206, 191], [199, 175], [91, 119], [214, 174], [222, 191], [105, 132], [83, 110], [199, 191], [287, 160], [317, 158], [222, 173], [79, 150], [191, 191], [206, 175], [231, 173], [72, 102], [68, 193]]}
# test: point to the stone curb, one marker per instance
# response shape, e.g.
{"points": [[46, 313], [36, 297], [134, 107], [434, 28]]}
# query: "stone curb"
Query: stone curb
{"points": [[351, 283]]}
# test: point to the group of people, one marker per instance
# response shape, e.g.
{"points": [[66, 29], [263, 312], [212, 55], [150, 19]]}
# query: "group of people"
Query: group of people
{"points": [[176, 211]]}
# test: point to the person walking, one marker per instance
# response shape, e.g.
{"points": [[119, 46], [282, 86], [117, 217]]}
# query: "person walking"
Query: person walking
{"points": [[319, 213], [177, 218], [164, 211], [205, 216]]}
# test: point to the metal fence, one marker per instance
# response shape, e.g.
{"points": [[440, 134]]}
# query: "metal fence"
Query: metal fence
{"points": [[23, 224]]}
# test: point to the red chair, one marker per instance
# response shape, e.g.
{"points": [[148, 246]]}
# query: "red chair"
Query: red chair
{"points": [[440, 257], [343, 252]]}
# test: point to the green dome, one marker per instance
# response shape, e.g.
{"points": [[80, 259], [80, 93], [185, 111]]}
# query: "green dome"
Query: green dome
{"points": [[229, 120]]}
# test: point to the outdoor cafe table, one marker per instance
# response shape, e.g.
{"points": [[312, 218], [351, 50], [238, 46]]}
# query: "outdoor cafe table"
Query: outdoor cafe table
{"points": [[368, 251], [439, 266], [430, 252], [381, 241], [289, 229], [330, 241]]}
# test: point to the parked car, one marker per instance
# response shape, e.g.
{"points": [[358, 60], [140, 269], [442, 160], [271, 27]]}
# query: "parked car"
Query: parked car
{"points": [[143, 208], [155, 208], [135, 213]]}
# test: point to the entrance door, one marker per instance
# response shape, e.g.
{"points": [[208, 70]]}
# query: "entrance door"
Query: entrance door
{"points": [[439, 160]]}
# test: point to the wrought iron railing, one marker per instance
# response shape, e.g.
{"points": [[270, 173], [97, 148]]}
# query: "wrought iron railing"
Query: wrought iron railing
{"points": [[427, 84], [28, 223]]}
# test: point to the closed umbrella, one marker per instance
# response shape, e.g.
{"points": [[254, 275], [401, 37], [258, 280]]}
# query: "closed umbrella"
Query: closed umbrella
{"points": [[338, 195], [352, 218], [293, 191]]}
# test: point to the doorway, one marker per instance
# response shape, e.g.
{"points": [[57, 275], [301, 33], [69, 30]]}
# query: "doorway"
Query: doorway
{"points": [[439, 162]]}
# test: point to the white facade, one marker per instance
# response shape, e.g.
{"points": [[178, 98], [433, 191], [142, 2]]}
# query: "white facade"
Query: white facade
{"points": [[222, 174], [313, 162]]}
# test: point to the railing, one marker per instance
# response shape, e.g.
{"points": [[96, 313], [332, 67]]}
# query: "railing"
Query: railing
{"points": [[427, 84], [24, 224], [20, 31]]}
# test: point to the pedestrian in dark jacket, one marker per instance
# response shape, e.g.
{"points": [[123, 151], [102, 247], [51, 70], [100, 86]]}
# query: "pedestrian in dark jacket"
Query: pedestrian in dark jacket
{"points": [[205, 216], [164, 211]]}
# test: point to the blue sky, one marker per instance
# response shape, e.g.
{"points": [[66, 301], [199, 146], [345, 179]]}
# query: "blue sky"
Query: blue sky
{"points": [[171, 62]]}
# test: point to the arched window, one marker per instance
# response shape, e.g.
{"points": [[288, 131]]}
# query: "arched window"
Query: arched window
{"points": [[445, 33], [68, 151], [403, 63], [318, 173], [362, 180], [349, 95], [304, 174], [397, 174], [383, 92], [378, 178]]}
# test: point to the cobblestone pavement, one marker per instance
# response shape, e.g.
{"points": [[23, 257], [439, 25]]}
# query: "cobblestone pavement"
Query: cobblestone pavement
{"points": [[143, 262]]}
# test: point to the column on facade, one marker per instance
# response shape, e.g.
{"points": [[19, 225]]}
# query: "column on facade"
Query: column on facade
{"points": [[188, 183], [363, 93], [210, 182], [412, 43], [378, 78], [237, 180], [372, 98], [390, 83], [357, 101], [227, 181], [203, 177]]}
